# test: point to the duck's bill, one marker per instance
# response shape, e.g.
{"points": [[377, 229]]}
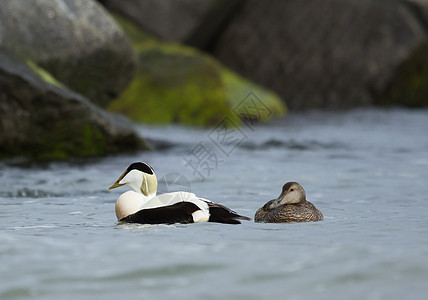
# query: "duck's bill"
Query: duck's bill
{"points": [[115, 185], [280, 200], [274, 204]]}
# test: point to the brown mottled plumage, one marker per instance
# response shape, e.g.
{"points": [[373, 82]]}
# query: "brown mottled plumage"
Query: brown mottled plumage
{"points": [[291, 206]]}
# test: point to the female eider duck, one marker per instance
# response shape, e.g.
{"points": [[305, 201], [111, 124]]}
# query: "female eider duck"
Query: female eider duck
{"points": [[143, 206], [290, 206]]}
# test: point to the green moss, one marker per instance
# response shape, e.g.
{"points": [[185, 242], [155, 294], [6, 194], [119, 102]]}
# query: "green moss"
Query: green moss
{"points": [[178, 84], [43, 74], [174, 88], [409, 86], [92, 141], [63, 141]]}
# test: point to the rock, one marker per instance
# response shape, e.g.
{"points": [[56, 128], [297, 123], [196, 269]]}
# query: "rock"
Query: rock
{"points": [[178, 84], [168, 20], [42, 121], [193, 22], [322, 53], [74, 40], [211, 26], [420, 10], [409, 84]]}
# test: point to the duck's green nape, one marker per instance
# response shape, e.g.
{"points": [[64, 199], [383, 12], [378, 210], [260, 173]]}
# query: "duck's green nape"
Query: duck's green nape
{"points": [[149, 185]]}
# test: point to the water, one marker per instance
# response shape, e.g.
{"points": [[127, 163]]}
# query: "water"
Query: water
{"points": [[366, 170]]}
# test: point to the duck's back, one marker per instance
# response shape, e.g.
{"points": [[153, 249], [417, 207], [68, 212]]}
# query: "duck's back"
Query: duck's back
{"points": [[288, 213]]}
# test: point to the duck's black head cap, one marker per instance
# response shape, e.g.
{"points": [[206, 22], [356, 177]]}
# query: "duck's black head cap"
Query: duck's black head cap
{"points": [[140, 166]]}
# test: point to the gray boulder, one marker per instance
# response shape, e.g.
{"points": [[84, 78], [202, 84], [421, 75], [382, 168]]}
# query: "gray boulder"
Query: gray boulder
{"points": [[75, 40], [41, 121], [323, 53], [420, 9], [168, 20]]}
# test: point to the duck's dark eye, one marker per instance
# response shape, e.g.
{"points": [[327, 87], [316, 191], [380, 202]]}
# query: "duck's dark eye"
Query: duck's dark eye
{"points": [[291, 190]]}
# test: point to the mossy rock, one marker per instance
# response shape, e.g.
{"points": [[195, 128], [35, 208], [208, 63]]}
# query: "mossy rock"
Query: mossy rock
{"points": [[178, 84], [42, 120], [174, 88], [409, 86]]}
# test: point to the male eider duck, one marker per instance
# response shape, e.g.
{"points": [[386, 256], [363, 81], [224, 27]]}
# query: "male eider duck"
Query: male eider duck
{"points": [[290, 206], [143, 206]]}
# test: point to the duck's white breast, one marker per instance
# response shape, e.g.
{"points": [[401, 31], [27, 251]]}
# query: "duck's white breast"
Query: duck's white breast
{"points": [[129, 203]]}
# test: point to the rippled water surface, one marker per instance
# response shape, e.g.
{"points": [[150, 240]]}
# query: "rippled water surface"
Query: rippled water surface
{"points": [[366, 170]]}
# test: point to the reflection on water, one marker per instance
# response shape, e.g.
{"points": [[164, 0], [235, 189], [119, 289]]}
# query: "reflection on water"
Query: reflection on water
{"points": [[366, 171]]}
